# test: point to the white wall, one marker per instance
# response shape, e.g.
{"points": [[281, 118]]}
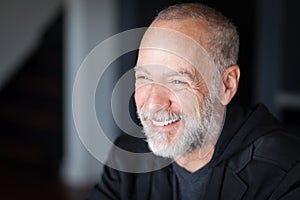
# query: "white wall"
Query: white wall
{"points": [[87, 23]]}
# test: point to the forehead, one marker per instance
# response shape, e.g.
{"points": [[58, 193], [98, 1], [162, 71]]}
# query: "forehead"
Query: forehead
{"points": [[169, 46], [152, 59], [196, 29]]}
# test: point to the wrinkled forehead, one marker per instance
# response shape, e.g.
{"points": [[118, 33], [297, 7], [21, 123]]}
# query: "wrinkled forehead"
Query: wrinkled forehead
{"points": [[173, 49]]}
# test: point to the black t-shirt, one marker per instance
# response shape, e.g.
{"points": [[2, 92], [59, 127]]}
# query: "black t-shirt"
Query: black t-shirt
{"points": [[189, 186]]}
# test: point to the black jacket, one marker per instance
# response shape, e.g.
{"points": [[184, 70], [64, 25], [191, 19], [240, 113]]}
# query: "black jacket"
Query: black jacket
{"points": [[254, 159]]}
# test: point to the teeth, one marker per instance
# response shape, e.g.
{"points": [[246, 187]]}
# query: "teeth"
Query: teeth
{"points": [[164, 123]]}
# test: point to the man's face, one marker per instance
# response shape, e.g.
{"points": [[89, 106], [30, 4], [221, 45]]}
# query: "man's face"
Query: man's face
{"points": [[173, 102]]}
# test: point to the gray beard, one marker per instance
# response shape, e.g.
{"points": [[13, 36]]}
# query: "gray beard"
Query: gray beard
{"points": [[198, 131]]}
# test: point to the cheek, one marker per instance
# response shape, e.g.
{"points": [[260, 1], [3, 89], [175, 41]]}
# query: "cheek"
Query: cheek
{"points": [[189, 101], [139, 98]]}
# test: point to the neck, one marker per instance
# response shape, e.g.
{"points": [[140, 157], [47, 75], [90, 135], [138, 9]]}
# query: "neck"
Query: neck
{"points": [[198, 158]]}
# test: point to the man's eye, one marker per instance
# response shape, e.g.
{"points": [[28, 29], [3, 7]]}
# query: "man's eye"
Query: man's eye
{"points": [[179, 82], [143, 77]]}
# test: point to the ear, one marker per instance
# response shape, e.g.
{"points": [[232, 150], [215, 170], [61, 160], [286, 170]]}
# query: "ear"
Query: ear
{"points": [[230, 79]]}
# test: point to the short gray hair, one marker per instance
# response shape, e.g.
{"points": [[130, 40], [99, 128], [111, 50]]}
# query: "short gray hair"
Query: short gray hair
{"points": [[223, 45]]}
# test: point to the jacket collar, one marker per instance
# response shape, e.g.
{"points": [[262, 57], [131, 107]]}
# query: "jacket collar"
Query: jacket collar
{"points": [[241, 128]]}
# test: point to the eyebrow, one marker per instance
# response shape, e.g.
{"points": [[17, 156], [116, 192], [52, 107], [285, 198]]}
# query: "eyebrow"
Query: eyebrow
{"points": [[186, 74], [141, 69], [180, 73]]}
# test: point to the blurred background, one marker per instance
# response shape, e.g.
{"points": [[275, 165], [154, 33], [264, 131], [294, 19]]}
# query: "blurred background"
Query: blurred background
{"points": [[42, 44]]}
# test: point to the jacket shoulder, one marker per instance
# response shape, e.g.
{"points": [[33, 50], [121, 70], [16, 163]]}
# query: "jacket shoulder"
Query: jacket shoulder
{"points": [[278, 148], [132, 144]]}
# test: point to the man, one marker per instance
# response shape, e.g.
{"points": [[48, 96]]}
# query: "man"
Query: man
{"points": [[186, 77]]}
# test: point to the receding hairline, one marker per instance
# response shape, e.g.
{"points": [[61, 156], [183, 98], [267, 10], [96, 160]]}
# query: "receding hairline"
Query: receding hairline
{"points": [[223, 39], [191, 11], [196, 29], [197, 12]]}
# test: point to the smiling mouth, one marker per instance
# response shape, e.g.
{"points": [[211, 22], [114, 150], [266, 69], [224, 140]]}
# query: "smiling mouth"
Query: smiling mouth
{"points": [[165, 123]]}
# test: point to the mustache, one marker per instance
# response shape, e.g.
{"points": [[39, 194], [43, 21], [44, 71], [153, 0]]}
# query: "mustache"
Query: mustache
{"points": [[159, 115]]}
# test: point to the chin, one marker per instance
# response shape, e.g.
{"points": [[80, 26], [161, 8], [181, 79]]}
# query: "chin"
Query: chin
{"points": [[159, 148], [165, 149]]}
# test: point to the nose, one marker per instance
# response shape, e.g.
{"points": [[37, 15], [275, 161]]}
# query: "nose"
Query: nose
{"points": [[158, 98]]}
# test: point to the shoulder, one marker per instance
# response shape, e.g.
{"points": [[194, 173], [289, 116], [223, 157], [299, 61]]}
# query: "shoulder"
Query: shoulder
{"points": [[280, 151], [278, 148], [132, 155], [132, 144]]}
